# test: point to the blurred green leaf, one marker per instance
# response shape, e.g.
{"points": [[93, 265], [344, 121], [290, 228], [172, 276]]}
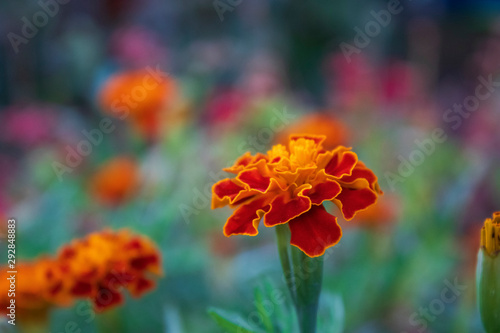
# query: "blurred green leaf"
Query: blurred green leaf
{"points": [[260, 301], [331, 313], [231, 322]]}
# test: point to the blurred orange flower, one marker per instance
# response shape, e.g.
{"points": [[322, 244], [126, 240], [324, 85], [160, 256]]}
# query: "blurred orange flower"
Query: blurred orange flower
{"points": [[102, 264], [115, 181], [336, 132], [98, 267], [290, 185], [140, 97], [33, 286]]}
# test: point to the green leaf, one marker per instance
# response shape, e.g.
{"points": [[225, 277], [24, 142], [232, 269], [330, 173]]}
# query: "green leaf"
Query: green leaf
{"points": [[263, 310], [331, 313], [230, 321]]}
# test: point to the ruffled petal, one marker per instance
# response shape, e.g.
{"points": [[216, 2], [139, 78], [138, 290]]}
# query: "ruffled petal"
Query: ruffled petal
{"points": [[225, 191], [245, 219], [351, 201], [284, 208], [255, 180], [247, 195], [315, 231], [326, 190], [358, 173], [244, 162], [342, 163]]}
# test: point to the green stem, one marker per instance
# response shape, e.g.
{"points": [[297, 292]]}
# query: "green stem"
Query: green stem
{"points": [[488, 290], [304, 278], [283, 236]]}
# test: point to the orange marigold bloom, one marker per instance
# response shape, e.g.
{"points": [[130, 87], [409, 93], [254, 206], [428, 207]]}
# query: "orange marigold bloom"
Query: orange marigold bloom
{"points": [[336, 133], [98, 267], [115, 181], [102, 264], [33, 287], [290, 186], [139, 96]]}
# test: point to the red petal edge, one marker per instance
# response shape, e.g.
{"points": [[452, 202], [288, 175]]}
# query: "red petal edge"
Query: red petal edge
{"points": [[245, 219], [315, 231], [352, 201]]}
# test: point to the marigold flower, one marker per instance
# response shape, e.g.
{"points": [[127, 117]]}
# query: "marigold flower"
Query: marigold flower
{"points": [[32, 286], [98, 267], [102, 264], [139, 96], [290, 186], [115, 181], [335, 132]]}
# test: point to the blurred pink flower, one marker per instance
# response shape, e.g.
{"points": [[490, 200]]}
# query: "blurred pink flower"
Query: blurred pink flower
{"points": [[401, 83], [28, 126], [137, 47]]}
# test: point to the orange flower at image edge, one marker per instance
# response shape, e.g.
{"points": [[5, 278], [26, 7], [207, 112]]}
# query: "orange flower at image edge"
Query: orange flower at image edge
{"points": [[290, 186], [97, 267]]}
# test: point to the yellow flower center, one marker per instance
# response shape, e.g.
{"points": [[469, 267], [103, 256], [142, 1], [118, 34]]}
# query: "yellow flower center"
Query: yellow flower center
{"points": [[490, 235], [303, 152]]}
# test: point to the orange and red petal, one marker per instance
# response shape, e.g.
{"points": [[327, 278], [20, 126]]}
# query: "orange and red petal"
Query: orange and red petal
{"points": [[320, 192], [341, 164], [315, 231], [245, 219], [351, 201], [361, 172], [240, 163], [255, 180], [224, 192], [283, 209]]}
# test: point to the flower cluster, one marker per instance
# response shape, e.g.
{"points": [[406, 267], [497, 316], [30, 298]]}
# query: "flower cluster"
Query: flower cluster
{"points": [[290, 186], [97, 267], [490, 235]]}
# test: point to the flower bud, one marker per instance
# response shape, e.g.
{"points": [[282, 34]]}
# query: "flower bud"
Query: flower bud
{"points": [[488, 274]]}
